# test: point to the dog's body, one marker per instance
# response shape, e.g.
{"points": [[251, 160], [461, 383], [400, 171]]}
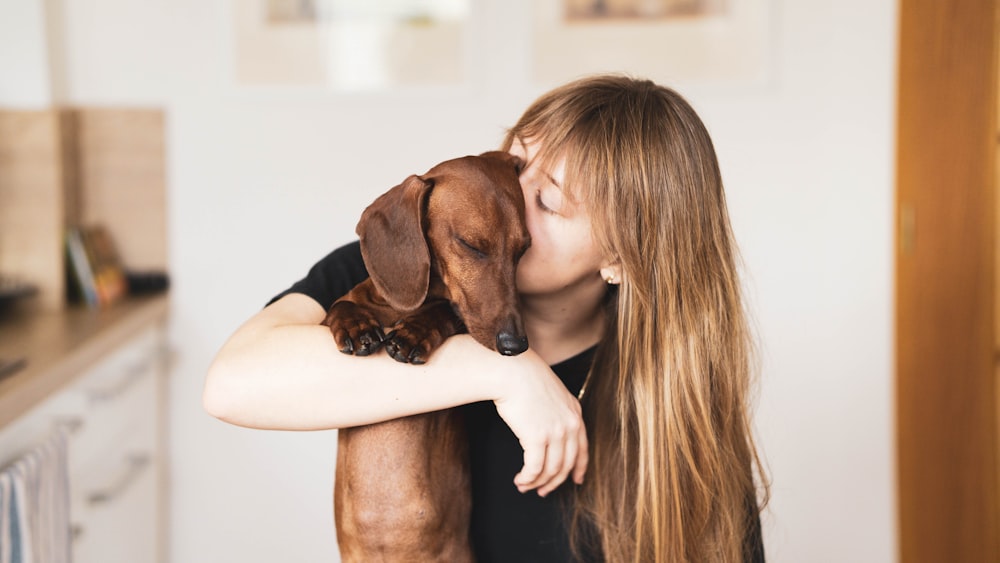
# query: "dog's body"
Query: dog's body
{"points": [[441, 250], [402, 491]]}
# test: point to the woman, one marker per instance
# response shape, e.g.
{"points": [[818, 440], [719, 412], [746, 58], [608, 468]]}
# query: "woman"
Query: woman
{"points": [[640, 362]]}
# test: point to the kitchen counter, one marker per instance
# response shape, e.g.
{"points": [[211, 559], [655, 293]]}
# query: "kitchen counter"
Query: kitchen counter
{"points": [[57, 346]]}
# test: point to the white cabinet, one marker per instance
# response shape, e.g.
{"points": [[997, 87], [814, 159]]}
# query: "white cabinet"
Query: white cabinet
{"points": [[114, 416]]}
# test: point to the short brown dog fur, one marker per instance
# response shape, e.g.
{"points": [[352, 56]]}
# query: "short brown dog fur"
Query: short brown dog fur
{"points": [[441, 250]]}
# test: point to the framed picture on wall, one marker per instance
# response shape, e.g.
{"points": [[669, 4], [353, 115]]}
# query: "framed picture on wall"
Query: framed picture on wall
{"points": [[671, 41], [350, 45]]}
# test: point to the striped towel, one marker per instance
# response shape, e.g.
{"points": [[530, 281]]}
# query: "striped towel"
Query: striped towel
{"points": [[34, 505]]}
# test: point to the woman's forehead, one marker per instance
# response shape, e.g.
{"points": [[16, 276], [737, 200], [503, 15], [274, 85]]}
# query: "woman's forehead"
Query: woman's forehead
{"points": [[539, 155], [549, 163]]}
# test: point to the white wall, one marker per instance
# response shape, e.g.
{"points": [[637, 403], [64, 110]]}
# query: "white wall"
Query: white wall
{"points": [[262, 184], [24, 57]]}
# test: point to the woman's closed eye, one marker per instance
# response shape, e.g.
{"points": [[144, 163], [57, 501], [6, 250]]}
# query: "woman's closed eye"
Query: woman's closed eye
{"points": [[549, 199]]}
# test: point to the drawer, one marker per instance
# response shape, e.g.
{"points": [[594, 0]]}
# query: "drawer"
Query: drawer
{"points": [[125, 530], [115, 503], [114, 407]]}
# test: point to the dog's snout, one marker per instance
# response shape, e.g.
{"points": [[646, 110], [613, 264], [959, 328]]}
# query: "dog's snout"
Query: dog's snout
{"points": [[510, 344]]}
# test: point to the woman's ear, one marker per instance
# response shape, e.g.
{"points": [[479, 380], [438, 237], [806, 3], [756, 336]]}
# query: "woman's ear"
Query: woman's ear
{"points": [[612, 274]]}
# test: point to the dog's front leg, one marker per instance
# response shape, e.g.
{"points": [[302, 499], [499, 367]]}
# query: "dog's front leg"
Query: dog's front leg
{"points": [[415, 337]]}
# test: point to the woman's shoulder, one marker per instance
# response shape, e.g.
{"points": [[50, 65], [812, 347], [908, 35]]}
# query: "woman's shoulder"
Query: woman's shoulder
{"points": [[332, 276]]}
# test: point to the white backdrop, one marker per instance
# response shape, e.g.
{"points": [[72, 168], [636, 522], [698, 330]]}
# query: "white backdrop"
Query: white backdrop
{"points": [[263, 183]]}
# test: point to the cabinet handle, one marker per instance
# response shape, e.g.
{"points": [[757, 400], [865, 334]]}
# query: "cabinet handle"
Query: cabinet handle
{"points": [[135, 464], [68, 424], [134, 373], [161, 358]]}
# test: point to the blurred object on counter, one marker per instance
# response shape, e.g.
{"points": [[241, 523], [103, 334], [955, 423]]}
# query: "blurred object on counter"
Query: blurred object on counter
{"points": [[96, 271], [82, 283], [145, 283], [109, 274], [10, 367], [13, 290]]}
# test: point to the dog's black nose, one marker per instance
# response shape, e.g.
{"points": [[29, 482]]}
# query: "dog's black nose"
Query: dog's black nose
{"points": [[510, 345]]}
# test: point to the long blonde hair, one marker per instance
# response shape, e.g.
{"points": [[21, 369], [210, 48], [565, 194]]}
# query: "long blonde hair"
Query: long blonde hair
{"points": [[672, 455]]}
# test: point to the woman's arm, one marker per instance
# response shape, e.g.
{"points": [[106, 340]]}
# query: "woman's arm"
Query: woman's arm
{"points": [[282, 370]]}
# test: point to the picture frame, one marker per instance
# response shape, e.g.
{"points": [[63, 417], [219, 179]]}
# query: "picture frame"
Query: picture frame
{"points": [[350, 45], [689, 42]]}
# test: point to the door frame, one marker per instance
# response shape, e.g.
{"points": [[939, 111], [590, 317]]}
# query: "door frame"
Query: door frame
{"points": [[946, 275]]}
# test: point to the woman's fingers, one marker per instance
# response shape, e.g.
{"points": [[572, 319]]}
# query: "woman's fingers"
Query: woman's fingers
{"points": [[547, 465], [534, 464], [574, 462], [560, 467], [549, 476]]}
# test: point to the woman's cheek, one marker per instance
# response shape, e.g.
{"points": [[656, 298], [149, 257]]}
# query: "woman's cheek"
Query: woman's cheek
{"points": [[530, 267]]}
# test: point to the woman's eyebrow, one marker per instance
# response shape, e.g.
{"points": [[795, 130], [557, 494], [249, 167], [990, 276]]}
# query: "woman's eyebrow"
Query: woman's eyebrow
{"points": [[552, 179]]}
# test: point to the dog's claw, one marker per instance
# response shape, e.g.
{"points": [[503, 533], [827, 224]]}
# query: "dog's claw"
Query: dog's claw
{"points": [[355, 330], [416, 356], [400, 351], [403, 350], [364, 344], [370, 343], [392, 348]]}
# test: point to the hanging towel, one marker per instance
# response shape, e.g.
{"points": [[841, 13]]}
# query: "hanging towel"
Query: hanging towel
{"points": [[34, 505], [8, 525]]}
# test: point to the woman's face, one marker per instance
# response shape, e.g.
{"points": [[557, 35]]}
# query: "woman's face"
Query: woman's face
{"points": [[563, 254]]}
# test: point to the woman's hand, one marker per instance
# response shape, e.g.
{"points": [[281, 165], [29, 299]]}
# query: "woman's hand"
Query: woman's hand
{"points": [[548, 422]]}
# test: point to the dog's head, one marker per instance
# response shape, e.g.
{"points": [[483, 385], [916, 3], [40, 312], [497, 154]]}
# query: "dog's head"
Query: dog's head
{"points": [[464, 221]]}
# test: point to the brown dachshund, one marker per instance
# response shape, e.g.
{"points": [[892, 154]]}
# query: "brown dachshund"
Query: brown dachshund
{"points": [[441, 250]]}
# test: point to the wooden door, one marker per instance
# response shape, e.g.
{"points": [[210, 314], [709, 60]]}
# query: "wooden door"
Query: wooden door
{"points": [[946, 282]]}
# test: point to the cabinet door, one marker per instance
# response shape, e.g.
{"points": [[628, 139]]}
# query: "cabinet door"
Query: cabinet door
{"points": [[116, 504], [115, 457]]}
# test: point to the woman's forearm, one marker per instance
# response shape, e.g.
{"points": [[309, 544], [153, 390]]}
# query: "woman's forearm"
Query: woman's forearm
{"points": [[282, 370]]}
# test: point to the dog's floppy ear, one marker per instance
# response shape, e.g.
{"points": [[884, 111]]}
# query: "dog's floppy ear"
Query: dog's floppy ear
{"points": [[393, 244], [516, 161]]}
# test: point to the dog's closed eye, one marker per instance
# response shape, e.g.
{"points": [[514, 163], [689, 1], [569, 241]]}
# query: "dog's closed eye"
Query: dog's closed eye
{"points": [[471, 247]]}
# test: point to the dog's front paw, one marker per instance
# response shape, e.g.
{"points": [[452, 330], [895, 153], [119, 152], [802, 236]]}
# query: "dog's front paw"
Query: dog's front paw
{"points": [[355, 330], [412, 343]]}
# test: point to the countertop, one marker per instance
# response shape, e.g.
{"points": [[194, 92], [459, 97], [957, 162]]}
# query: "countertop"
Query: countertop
{"points": [[60, 345]]}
